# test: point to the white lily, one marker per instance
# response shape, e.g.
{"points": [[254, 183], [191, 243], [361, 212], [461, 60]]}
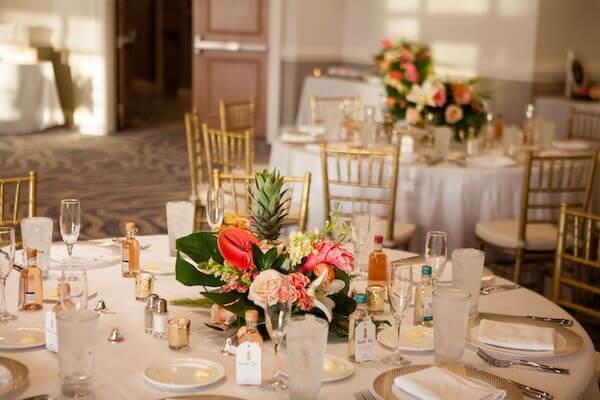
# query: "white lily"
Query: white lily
{"points": [[422, 95], [319, 290]]}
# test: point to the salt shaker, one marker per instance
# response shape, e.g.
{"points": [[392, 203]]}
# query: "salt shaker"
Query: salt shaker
{"points": [[148, 311], [160, 318]]}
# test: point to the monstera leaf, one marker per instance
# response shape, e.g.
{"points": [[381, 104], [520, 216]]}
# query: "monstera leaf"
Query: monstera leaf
{"points": [[199, 247]]}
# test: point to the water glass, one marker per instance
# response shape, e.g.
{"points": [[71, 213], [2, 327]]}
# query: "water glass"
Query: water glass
{"points": [[278, 308], [306, 345], [78, 284], [451, 315], [7, 259], [361, 226], [467, 267], [399, 293], [436, 253], [215, 207], [77, 332], [70, 224], [180, 222], [442, 139], [36, 233], [178, 333]]}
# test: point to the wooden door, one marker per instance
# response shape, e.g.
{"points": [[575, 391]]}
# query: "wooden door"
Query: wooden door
{"points": [[126, 36], [230, 56]]}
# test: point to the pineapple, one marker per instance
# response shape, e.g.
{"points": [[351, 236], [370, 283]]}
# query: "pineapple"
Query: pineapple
{"points": [[269, 205]]}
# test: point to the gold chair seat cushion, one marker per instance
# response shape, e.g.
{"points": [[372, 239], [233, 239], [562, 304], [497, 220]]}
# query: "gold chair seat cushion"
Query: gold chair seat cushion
{"points": [[504, 233]]}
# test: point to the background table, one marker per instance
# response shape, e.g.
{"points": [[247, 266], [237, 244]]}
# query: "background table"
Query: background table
{"points": [[29, 99], [556, 109], [119, 367], [443, 197]]}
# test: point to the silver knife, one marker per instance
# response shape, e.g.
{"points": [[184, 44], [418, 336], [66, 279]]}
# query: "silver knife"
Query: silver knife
{"points": [[560, 321], [532, 392]]}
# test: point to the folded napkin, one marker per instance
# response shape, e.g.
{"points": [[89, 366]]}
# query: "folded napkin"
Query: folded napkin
{"points": [[436, 383], [5, 376], [516, 336], [491, 161]]}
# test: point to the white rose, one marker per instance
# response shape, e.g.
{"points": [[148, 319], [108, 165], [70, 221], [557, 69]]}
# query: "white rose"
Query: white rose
{"points": [[258, 289]]}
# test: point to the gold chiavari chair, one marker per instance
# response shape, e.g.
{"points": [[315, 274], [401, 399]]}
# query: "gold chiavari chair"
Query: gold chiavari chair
{"points": [[229, 152], [237, 116], [583, 125], [548, 181], [10, 190], [238, 196], [577, 264], [371, 176], [323, 105], [196, 154]]}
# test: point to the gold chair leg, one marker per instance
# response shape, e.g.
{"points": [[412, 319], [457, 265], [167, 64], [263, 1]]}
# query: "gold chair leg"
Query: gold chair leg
{"points": [[518, 264]]}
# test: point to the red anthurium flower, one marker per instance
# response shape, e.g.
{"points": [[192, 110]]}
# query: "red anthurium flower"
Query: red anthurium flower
{"points": [[235, 245]]}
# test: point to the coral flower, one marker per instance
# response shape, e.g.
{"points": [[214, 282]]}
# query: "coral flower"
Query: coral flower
{"points": [[411, 72], [235, 245], [331, 253], [386, 43], [395, 74], [461, 93], [453, 114]]}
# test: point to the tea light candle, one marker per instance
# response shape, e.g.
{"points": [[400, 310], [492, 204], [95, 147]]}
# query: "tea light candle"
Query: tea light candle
{"points": [[178, 333], [144, 283], [375, 294], [407, 144]]}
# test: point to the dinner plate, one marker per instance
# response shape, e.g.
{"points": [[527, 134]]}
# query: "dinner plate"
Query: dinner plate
{"points": [[51, 292], [85, 256], [184, 373], [490, 161], [161, 266], [19, 376], [384, 383], [334, 368], [13, 338], [566, 340], [412, 338]]}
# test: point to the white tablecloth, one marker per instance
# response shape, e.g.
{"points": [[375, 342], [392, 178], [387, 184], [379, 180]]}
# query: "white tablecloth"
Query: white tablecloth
{"points": [[441, 197], [369, 94], [119, 367], [556, 110], [29, 99]]}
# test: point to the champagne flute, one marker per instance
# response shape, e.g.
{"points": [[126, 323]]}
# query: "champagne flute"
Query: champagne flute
{"points": [[399, 294], [7, 258], [278, 306], [70, 225], [436, 253], [361, 225], [215, 207]]}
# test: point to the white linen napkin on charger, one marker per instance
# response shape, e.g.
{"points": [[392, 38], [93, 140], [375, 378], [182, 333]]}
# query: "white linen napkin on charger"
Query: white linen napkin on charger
{"points": [[516, 336], [436, 383]]}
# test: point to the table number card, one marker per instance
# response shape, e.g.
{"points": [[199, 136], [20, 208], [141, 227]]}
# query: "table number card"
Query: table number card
{"points": [[364, 345], [248, 364], [51, 332]]}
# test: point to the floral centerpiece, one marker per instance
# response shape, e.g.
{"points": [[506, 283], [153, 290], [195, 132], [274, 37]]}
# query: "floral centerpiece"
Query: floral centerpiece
{"points": [[233, 266], [402, 65], [454, 103]]}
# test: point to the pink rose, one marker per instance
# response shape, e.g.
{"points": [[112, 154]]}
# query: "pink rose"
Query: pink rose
{"points": [[395, 74], [331, 253], [405, 54], [453, 114], [413, 116], [219, 315], [267, 283], [411, 72], [439, 97], [386, 43]]}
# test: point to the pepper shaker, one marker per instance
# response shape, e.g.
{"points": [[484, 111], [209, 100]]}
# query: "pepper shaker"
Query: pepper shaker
{"points": [[160, 317], [148, 313]]}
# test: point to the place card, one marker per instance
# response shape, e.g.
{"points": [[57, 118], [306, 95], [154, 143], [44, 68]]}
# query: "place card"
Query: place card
{"points": [[365, 341], [248, 364], [51, 332]]}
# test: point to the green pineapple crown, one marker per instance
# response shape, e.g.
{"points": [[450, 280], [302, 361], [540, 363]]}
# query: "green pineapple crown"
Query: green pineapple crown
{"points": [[269, 204]]}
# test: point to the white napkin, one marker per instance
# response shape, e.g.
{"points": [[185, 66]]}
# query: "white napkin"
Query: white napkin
{"points": [[437, 383], [298, 137], [5, 376], [490, 161], [516, 336]]}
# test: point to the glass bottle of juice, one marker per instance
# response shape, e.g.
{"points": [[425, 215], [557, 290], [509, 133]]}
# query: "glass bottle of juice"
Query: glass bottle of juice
{"points": [[378, 263], [130, 252], [423, 299], [30, 284]]}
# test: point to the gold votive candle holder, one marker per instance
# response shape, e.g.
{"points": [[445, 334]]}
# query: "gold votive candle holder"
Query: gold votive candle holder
{"points": [[144, 285], [375, 298], [178, 333]]}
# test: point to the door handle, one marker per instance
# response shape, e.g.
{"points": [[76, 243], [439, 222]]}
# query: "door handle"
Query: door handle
{"points": [[125, 40], [201, 45]]}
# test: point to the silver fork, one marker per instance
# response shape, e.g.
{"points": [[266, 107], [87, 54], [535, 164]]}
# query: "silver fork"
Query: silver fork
{"points": [[498, 288], [508, 363], [365, 395]]}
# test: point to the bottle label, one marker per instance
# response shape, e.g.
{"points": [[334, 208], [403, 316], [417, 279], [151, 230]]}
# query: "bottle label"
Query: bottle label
{"points": [[364, 340], [29, 297], [125, 256], [51, 332], [248, 364], [428, 309]]}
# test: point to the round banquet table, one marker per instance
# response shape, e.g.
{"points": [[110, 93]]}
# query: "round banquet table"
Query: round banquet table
{"points": [[444, 196], [119, 367]]}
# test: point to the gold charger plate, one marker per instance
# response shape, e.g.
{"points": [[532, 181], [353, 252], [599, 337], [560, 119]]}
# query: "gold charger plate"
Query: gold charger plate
{"points": [[384, 383], [19, 373], [567, 341]]}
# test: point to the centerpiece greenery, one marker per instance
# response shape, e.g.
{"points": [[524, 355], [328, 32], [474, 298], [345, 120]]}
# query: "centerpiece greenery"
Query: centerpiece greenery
{"points": [[233, 265]]}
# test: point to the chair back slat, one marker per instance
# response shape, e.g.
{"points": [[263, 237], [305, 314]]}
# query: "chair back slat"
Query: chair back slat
{"points": [[576, 279], [367, 175], [237, 116], [195, 145], [583, 125], [230, 152], [10, 189], [322, 106]]}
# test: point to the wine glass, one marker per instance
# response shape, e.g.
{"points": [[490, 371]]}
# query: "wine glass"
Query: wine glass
{"points": [[215, 207], [361, 225], [70, 225], [399, 293], [278, 306], [7, 258], [436, 253]]}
